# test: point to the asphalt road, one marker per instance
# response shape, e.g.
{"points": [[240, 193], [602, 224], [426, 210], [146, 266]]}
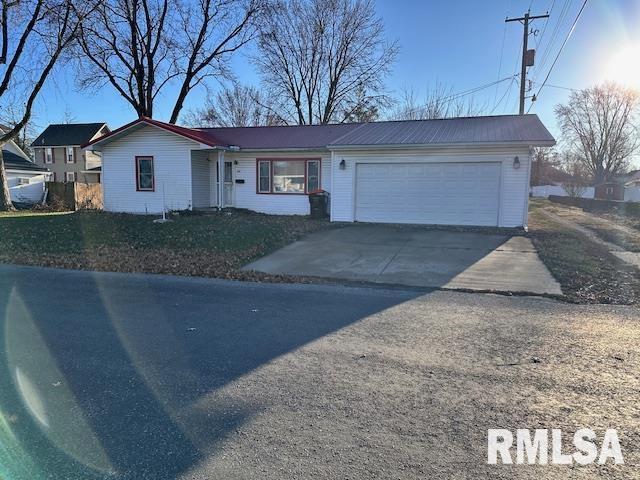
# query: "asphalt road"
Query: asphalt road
{"points": [[151, 377]]}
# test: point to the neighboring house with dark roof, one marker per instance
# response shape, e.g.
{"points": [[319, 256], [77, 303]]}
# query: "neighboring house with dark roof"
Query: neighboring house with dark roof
{"points": [[458, 171], [26, 179], [58, 149]]}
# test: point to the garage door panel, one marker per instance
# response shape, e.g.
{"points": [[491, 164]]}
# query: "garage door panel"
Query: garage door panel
{"points": [[438, 193]]}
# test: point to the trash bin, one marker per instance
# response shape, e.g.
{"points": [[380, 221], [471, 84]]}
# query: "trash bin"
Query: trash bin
{"points": [[318, 203]]}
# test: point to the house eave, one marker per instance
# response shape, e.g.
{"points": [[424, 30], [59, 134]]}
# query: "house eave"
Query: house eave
{"points": [[269, 150], [139, 123], [33, 172]]}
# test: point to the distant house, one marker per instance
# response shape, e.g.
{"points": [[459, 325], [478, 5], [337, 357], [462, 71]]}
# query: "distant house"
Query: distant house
{"points": [[457, 171], [58, 150], [611, 190], [26, 179]]}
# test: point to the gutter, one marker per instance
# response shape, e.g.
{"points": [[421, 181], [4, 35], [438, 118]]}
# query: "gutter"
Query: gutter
{"points": [[540, 143]]}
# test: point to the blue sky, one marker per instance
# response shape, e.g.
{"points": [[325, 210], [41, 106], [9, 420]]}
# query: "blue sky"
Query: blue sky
{"points": [[456, 43]]}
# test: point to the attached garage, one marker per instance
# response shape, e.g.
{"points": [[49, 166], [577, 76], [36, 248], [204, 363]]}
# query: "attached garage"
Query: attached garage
{"points": [[455, 171], [455, 193]]}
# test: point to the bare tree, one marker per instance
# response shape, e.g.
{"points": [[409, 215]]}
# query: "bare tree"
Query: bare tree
{"points": [[319, 56], [439, 102], [213, 30], [34, 35], [599, 125], [12, 115], [236, 106], [574, 189], [364, 107], [141, 46]]}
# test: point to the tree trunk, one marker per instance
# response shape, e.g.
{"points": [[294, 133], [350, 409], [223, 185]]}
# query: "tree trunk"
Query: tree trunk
{"points": [[5, 198]]}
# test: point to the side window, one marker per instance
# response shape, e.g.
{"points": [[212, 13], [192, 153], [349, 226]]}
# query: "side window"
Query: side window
{"points": [[144, 174], [48, 155], [70, 156], [264, 176], [70, 176], [313, 175]]}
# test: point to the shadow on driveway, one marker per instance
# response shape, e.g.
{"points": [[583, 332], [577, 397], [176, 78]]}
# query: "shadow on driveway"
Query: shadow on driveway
{"points": [[102, 374], [416, 256]]}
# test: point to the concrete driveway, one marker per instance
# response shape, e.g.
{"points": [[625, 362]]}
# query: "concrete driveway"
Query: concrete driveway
{"points": [[416, 256]]}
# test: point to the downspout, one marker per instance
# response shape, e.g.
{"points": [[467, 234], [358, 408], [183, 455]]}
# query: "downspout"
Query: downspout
{"points": [[525, 216], [220, 179], [333, 174]]}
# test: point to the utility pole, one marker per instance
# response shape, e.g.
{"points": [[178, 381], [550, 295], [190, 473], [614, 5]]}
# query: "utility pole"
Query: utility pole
{"points": [[527, 55]]}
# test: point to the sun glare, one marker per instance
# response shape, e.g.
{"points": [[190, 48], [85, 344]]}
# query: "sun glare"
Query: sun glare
{"points": [[624, 66]]}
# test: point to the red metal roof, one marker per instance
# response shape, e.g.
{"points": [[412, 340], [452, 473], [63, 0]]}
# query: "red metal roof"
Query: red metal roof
{"points": [[282, 137], [200, 136], [520, 129], [517, 129]]}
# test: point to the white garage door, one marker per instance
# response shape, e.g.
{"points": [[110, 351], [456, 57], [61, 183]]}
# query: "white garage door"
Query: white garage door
{"points": [[436, 193]]}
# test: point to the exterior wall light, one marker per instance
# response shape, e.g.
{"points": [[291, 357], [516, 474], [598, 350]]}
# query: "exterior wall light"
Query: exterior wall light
{"points": [[516, 163], [343, 164]]}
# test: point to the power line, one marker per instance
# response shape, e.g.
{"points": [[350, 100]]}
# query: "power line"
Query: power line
{"points": [[544, 29], [506, 92], [566, 7], [562, 88], [504, 34], [566, 39], [464, 93]]}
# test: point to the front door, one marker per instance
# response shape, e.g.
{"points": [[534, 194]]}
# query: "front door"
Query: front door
{"points": [[227, 200]]}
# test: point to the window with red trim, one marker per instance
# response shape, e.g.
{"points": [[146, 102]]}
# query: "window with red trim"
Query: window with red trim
{"points": [[288, 176], [144, 174]]}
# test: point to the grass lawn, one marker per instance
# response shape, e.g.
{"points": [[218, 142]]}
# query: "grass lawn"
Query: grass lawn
{"points": [[202, 245], [586, 270]]}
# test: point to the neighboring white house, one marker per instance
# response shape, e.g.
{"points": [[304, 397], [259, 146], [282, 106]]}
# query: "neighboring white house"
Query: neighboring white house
{"points": [[460, 171], [26, 179]]}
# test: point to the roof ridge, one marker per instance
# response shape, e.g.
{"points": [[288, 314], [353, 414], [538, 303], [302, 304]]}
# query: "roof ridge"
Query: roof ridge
{"points": [[282, 126]]}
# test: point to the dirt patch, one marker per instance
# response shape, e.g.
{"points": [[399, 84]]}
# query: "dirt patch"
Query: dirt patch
{"points": [[586, 269], [610, 227]]}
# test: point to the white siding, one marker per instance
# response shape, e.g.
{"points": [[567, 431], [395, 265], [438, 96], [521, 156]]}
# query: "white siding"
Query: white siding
{"points": [[515, 191], [245, 195], [514, 182], [13, 148], [200, 178], [31, 192], [172, 171]]}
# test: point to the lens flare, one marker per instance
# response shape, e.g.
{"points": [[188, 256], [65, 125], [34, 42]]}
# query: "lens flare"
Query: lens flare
{"points": [[624, 66]]}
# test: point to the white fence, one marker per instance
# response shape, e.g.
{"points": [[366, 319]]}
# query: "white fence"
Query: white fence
{"points": [[543, 191], [632, 194]]}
